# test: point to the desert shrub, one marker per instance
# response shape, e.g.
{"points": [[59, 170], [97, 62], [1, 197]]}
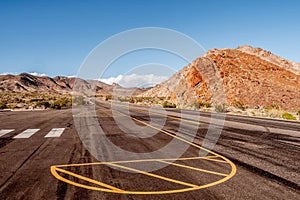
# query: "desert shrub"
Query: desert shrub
{"points": [[197, 105], [221, 108], [18, 100], [274, 106], [239, 105], [123, 99], [78, 100], [36, 99], [167, 104], [288, 116], [298, 113], [55, 105], [64, 102], [206, 104], [131, 100], [148, 98], [44, 104], [3, 105], [200, 104], [139, 99], [108, 97]]}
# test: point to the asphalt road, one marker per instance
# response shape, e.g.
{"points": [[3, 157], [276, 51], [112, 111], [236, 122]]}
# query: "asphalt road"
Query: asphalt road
{"points": [[252, 159]]}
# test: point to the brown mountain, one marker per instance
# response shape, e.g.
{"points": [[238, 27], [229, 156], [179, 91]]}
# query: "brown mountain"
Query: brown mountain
{"points": [[250, 76], [27, 83]]}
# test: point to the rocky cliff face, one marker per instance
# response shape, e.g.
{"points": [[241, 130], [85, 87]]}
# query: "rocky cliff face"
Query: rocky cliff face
{"points": [[268, 56], [250, 76]]}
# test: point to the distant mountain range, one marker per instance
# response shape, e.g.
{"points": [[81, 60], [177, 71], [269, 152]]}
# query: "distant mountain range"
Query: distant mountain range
{"points": [[249, 76], [35, 84], [27, 83]]}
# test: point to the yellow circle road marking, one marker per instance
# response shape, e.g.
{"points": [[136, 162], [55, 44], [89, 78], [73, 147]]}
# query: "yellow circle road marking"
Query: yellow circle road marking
{"points": [[190, 187], [108, 188]]}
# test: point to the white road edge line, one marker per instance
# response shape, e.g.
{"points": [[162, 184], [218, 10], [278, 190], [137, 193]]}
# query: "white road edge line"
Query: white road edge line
{"points": [[26, 134], [55, 132], [5, 131]]}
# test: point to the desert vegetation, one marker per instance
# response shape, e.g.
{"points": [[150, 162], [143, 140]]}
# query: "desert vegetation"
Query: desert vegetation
{"points": [[288, 116], [3, 105], [221, 108], [239, 105], [30, 101], [137, 100], [200, 104], [34, 101], [298, 113], [167, 104]]}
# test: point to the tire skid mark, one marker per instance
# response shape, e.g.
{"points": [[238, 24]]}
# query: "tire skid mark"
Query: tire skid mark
{"points": [[61, 188], [6, 182]]}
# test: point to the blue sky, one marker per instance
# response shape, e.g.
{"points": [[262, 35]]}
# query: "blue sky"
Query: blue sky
{"points": [[54, 37]]}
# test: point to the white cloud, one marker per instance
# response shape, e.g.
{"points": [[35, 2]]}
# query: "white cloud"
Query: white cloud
{"points": [[15, 73], [135, 80], [72, 76], [37, 74], [5, 73]]}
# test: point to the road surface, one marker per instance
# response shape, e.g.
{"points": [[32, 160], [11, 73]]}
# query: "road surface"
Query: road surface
{"points": [[253, 158]]}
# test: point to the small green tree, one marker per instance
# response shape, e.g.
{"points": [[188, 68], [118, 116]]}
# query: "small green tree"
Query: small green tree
{"points": [[298, 113], [288, 116]]}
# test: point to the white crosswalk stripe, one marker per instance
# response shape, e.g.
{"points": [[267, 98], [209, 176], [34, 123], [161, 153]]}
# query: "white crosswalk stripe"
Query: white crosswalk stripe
{"points": [[55, 132], [27, 133], [5, 131]]}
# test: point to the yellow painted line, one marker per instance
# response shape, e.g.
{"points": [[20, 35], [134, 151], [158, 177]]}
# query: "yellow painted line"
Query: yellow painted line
{"points": [[233, 171], [88, 179], [56, 175], [215, 160], [135, 161], [194, 168], [154, 160], [177, 118], [155, 175], [166, 159], [191, 143], [82, 164], [174, 136]]}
